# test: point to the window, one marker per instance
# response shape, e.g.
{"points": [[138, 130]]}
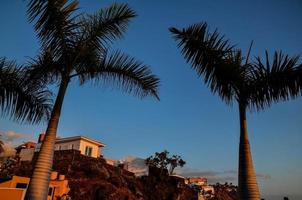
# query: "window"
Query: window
{"points": [[88, 151], [21, 185], [50, 191]]}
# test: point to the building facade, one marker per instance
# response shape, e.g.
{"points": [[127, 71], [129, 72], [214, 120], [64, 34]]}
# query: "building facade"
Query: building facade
{"points": [[85, 145], [200, 181], [15, 188]]}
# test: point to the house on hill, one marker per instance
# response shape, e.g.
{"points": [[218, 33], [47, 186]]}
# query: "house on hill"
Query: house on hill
{"points": [[87, 146]]}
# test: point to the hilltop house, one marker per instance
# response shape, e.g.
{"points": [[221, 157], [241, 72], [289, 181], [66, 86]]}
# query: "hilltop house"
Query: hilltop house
{"points": [[85, 145]]}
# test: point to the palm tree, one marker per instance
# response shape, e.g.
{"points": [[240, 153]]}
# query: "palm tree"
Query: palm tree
{"points": [[253, 85], [21, 98], [75, 47]]}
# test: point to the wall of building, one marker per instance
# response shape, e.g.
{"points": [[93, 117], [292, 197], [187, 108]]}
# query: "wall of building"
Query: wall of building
{"points": [[26, 154], [12, 193], [95, 149], [68, 145], [8, 190], [61, 188], [13, 182]]}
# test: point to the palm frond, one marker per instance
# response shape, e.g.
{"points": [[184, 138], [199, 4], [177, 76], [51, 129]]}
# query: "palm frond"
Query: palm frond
{"points": [[278, 79], [44, 68], [200, 47], [105, 26], [9, 76], [21, 98], [212, 57], [124, 72], [54, 22]]}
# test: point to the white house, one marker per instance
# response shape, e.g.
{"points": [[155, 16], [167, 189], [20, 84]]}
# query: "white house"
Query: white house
{"points": [[85, 145]]}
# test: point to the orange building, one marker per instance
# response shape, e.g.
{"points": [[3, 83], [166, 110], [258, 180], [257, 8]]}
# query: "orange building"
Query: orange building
{"points": [[15, 188], [200, 181]]}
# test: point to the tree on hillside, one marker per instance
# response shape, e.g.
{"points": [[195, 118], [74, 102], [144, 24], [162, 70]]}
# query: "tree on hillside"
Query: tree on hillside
{"points": [[253, 85], [162, 161], [159, 160], [74, 46], [175, 161], [22, 99]]}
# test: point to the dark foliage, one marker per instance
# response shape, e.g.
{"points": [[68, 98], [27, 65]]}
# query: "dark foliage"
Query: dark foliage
{"points": [[163, 161], [256, 84], [75, 46], [22, 98]]}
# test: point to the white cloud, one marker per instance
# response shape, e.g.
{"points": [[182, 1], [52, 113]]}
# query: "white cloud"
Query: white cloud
{"points": [[216, 176], [11, 139], [12, 136], [9, 150]]}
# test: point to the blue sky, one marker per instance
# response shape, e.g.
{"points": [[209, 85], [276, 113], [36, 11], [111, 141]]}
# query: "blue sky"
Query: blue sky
{"points": [[188, 120]]}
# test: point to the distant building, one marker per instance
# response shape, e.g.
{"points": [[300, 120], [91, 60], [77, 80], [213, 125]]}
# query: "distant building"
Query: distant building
{"points": [[15, 188], [26, 151], [85, 145], [200, 181], [26, 145]]}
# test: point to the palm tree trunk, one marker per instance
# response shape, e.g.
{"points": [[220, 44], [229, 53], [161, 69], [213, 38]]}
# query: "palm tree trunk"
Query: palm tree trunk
{"points": [[39, 183], [247, 183]]}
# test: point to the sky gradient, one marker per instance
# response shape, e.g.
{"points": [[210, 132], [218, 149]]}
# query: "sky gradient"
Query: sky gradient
{"points": [[188, 120]]}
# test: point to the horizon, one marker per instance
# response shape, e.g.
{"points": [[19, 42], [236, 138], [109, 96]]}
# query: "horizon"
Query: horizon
{"points": [[189, 120]]}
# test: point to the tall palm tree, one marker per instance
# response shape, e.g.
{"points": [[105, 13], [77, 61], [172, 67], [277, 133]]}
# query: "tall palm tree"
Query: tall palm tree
{"points": [[253, 85], [75, 47], [21, 98]]}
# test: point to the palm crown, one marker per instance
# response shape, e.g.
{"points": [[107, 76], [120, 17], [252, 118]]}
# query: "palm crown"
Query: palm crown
{"points": [[76, 46], [255, 84]]}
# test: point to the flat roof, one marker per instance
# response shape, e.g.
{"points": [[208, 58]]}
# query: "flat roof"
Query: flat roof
{"points": [[80, 137]]}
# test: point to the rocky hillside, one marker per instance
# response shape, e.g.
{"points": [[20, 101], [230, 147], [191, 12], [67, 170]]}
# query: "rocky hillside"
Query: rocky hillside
{"points": [[225, 192], [93, 179]]}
